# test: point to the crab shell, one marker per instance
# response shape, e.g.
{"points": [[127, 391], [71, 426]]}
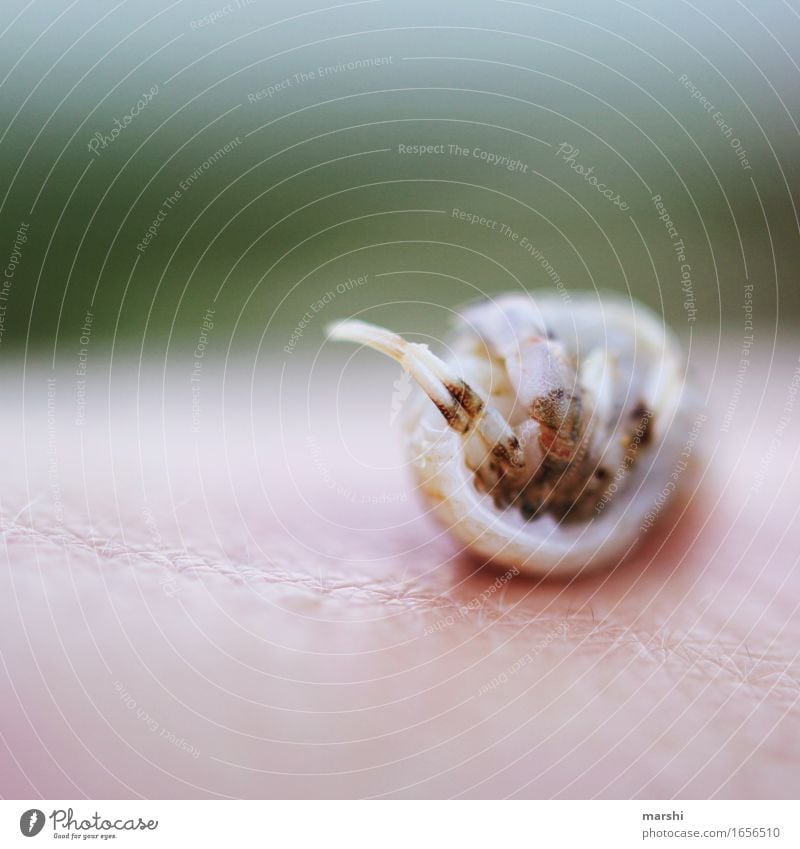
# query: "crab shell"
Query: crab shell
{"points": [[648, 368]]}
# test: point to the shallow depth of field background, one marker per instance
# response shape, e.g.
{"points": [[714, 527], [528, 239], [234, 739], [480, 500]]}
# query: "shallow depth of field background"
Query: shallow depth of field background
{"points": [[220, 578], [313, 189]]}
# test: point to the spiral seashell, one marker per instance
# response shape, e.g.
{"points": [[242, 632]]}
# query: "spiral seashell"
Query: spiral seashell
{"points": [[556, 425]]}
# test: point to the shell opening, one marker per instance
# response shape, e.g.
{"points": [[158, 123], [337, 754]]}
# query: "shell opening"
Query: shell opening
{"points": [[560, 454]]}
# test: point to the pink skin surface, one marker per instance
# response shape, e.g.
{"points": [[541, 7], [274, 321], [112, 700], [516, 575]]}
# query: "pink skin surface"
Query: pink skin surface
{"points": [[249, 600]]}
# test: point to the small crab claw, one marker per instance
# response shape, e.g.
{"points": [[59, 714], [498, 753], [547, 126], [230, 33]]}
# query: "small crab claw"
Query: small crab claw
{"points": [[463, 409], [547, 384]]}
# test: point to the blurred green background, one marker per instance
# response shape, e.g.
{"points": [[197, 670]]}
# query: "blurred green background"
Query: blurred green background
{"points": [[313, 188]]}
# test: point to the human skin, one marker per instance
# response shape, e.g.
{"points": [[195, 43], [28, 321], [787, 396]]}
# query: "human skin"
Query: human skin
{"points": [[263, 607]]}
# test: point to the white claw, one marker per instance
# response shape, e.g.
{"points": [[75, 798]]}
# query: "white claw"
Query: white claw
{"points": [[463, 409]]}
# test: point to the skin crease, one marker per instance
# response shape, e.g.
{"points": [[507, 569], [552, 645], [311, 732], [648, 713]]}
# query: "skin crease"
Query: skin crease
{"points": [[264, 608]]}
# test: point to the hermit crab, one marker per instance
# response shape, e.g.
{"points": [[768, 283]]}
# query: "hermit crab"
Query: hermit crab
{"points": [[556, 424]]}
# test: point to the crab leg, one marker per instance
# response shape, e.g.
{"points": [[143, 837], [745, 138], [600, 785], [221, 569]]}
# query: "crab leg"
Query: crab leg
{"points": [[463, 409]]}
